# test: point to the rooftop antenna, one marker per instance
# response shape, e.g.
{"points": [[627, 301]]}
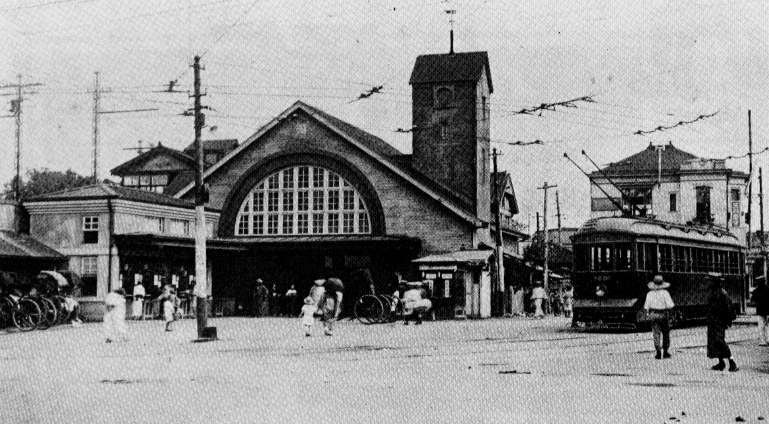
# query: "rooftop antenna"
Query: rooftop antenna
{"points": [[451, 13]]}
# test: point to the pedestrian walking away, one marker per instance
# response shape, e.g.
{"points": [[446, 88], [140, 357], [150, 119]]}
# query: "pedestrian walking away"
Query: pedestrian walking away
{"points": [[760, 298], [657, 307], [114, 316], [719, 318], [331, 303], [261, 299], [308, 315], [538, 295]]}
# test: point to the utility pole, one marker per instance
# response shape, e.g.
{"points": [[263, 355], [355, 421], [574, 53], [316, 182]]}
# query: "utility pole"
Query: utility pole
{"points": [[761, 210], [558, 215], [16, 114], [748, 217], [96, 98], [537, 224], [498, 239], [201, 197], [97, 112], [546, 187]]}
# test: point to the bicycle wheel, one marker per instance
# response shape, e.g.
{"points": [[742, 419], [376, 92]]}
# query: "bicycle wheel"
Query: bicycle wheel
{"points": [[6, 310], [26, 315], [368, 309], [394, 309], [48, 309], [61, 311]]}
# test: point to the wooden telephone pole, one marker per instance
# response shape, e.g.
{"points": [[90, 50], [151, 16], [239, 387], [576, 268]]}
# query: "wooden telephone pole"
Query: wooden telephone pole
{"points": [[498, 220], [201, 198], [16, 114], [546, 187], [558, 216]]}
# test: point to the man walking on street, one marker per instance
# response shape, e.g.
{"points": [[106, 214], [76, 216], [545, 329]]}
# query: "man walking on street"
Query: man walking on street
{"points": [[761, 300], [658, 305]]}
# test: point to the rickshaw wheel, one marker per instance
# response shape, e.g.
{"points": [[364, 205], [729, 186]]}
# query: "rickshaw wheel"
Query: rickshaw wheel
{"points": [[368, 309], [27, 315]]}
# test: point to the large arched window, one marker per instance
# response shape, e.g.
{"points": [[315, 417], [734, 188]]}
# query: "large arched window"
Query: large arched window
{"points": [[302, 200]]}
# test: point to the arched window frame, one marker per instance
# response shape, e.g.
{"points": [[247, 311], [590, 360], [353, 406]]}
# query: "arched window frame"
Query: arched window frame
{"points": [[302, 200]]}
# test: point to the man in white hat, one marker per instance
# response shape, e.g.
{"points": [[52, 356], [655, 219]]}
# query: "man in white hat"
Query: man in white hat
{"points": [[658, 305]]}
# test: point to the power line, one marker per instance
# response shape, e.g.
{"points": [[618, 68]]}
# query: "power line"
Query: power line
{"points": [[677, 124]]}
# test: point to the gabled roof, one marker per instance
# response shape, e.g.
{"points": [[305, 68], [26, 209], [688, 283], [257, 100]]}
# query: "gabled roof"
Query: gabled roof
{"points": [[504, 181], [370, 144], [180, 180], [14, 245], [132, 164], [646, 161], [111, 191], [223, 145], [451, 67]]}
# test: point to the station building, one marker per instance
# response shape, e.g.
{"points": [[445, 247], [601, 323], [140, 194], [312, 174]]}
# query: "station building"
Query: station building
{"points": [[309, 195]]}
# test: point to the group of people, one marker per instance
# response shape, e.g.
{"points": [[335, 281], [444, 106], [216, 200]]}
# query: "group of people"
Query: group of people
{"points": [[114, 320], [659, 304], [270, 301], [558, 301], [324, 301]]}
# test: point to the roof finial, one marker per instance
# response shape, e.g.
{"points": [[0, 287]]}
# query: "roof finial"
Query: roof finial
{"points": [[451, 13]]}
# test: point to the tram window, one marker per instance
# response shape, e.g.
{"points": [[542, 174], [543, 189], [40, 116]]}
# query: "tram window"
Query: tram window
{"points": [[687, 258], [639, 248], [623, 256], [581, 258], [666, 258], [650, 251]]}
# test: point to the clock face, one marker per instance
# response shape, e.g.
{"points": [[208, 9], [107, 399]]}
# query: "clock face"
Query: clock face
{"points": [[443, 96]]}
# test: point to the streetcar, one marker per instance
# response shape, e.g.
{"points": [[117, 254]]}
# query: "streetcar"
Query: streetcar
{"points": [[615, 258]]}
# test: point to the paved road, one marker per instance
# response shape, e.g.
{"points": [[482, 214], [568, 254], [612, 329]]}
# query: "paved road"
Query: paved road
{"points": [[265, 370]]}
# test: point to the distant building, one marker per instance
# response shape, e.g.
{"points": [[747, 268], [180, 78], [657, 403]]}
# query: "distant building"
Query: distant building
{"points": [[165, 170], [672, 185], [109, 233]]}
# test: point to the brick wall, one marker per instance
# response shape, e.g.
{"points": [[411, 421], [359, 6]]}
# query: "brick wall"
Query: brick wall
{"points": [[406, 210]]}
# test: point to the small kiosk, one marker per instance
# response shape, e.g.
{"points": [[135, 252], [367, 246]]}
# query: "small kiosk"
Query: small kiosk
{"points": [[459, 283]]}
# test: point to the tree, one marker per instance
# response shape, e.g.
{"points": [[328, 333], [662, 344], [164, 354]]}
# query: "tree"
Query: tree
{"points": [[41, 181], [559, 257]]}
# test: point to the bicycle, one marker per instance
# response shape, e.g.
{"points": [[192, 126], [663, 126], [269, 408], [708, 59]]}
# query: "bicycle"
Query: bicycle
{"points": [[378, 309]]}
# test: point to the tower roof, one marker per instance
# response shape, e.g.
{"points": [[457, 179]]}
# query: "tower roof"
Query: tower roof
{"points": [[451, 67]]}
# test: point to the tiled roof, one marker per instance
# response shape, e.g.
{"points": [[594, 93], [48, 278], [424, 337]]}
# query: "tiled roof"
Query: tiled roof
{"points": [[131, 164], [646, 161], [451, 67], [13, 245], [373, 142], [111, 191], [224, 145], [178, 183]]}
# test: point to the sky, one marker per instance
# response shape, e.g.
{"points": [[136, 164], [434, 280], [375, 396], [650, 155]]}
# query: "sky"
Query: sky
{"points": [[644, 64]]}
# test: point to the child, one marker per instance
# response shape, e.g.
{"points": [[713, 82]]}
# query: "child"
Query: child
{"points": [[169, 306], [308, 315]]}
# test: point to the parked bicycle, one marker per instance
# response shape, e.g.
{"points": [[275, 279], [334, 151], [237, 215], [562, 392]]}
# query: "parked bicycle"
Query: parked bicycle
{"points": [[378, 309]]}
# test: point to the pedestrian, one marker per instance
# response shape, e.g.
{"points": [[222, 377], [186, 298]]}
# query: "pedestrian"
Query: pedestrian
{"points": [[760, 298], [517, 309], [261, 299], [414, 303], [568, 300], [538, 295], [308, 315], [719, 317], [114, 316], [289, 308], [137, 306], [657, 308], [169, 302], [331, 303], [275, 301]]}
